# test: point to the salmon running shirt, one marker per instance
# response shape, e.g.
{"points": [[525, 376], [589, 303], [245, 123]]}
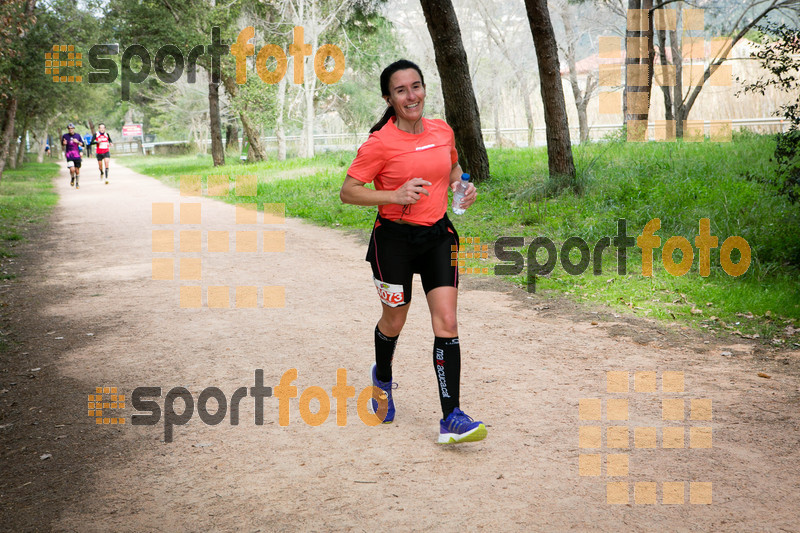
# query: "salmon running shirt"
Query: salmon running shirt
{"points": [[390, 157]]}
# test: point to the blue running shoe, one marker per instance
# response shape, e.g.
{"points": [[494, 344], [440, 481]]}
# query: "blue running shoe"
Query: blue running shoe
{"points": [[385, 386], [458, 427]]}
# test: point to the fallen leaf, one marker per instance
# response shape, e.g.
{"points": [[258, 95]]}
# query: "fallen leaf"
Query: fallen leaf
{"points": [[763, 375], [696, 311], [594, 323], [45, 456]]}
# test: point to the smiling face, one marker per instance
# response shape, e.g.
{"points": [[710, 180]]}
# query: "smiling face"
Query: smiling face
{"points": [[406, 96], [102, 128]]}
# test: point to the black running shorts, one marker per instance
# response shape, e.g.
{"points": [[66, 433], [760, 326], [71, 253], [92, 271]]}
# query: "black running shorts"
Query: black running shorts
{"points": [[104, 155], [76, 161], [398, 251]]}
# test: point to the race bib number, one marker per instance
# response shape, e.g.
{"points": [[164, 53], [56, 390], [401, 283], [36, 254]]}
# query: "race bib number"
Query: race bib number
{"points": [[391, 294], [103, 145], [70, 164]]}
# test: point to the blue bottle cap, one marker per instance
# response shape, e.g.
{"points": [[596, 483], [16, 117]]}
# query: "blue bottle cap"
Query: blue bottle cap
{"points": [[465, 176]]}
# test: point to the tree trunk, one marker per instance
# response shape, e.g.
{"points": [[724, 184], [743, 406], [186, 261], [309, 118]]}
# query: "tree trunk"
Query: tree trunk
{"points": [[498, 138], [42, 140], [10, 116], [55, 146], [677, 90], [583, 120], [256, 152], [497, 37], [569, 54], [645, 30], [460, 106], [686, 107], [12, 149], [217, 150], [662, 55], [231, 136], [526, 98], [581, 101], [280, 132], [559, 149], [22, 148], [309, 86]]}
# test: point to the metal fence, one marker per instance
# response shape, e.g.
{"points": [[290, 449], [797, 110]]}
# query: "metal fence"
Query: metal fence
{"points": [[516, 137]]}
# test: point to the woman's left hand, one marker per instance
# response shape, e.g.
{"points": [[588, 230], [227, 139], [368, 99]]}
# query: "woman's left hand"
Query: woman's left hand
{"points": [[469, 197]]}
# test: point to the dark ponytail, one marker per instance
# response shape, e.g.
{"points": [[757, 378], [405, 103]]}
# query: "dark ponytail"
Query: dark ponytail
{"points": [[402, 64], [388, 114]]}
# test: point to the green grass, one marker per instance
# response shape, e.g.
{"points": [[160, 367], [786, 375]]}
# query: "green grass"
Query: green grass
{"points": [[26, 198], [678, 183]]}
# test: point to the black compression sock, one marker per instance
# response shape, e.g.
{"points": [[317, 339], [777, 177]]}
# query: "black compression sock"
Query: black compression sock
{"points": [[447, 362], [384, 353], [106, 173]]}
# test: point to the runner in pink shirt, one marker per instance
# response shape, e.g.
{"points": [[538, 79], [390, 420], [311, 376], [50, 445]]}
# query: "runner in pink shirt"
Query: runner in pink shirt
{"points": [[71, 142]]}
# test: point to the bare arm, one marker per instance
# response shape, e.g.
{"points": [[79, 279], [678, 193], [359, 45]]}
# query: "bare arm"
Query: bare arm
{"points": [[455, 174], [354, 192]]}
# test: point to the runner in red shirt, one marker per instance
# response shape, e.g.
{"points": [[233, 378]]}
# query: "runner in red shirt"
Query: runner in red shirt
{"points": [[412, 162], [103, 142]]}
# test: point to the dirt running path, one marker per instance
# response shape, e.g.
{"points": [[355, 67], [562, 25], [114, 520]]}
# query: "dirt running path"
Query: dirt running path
{"points": [[525, 368]]}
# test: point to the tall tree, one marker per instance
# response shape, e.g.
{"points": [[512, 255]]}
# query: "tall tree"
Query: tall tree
{"points": [[559, 148], [189, 22], [747, 16], [17, 17], [640, 53], [460, 106], [498, 30], [569, 49], [737, 18]]}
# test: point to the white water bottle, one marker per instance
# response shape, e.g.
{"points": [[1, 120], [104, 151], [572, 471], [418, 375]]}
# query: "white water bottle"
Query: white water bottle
{"points": [[458, 195]]}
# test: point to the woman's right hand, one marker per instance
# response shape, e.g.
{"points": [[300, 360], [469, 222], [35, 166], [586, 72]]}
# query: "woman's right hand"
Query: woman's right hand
{"points": [[410, 191]]}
